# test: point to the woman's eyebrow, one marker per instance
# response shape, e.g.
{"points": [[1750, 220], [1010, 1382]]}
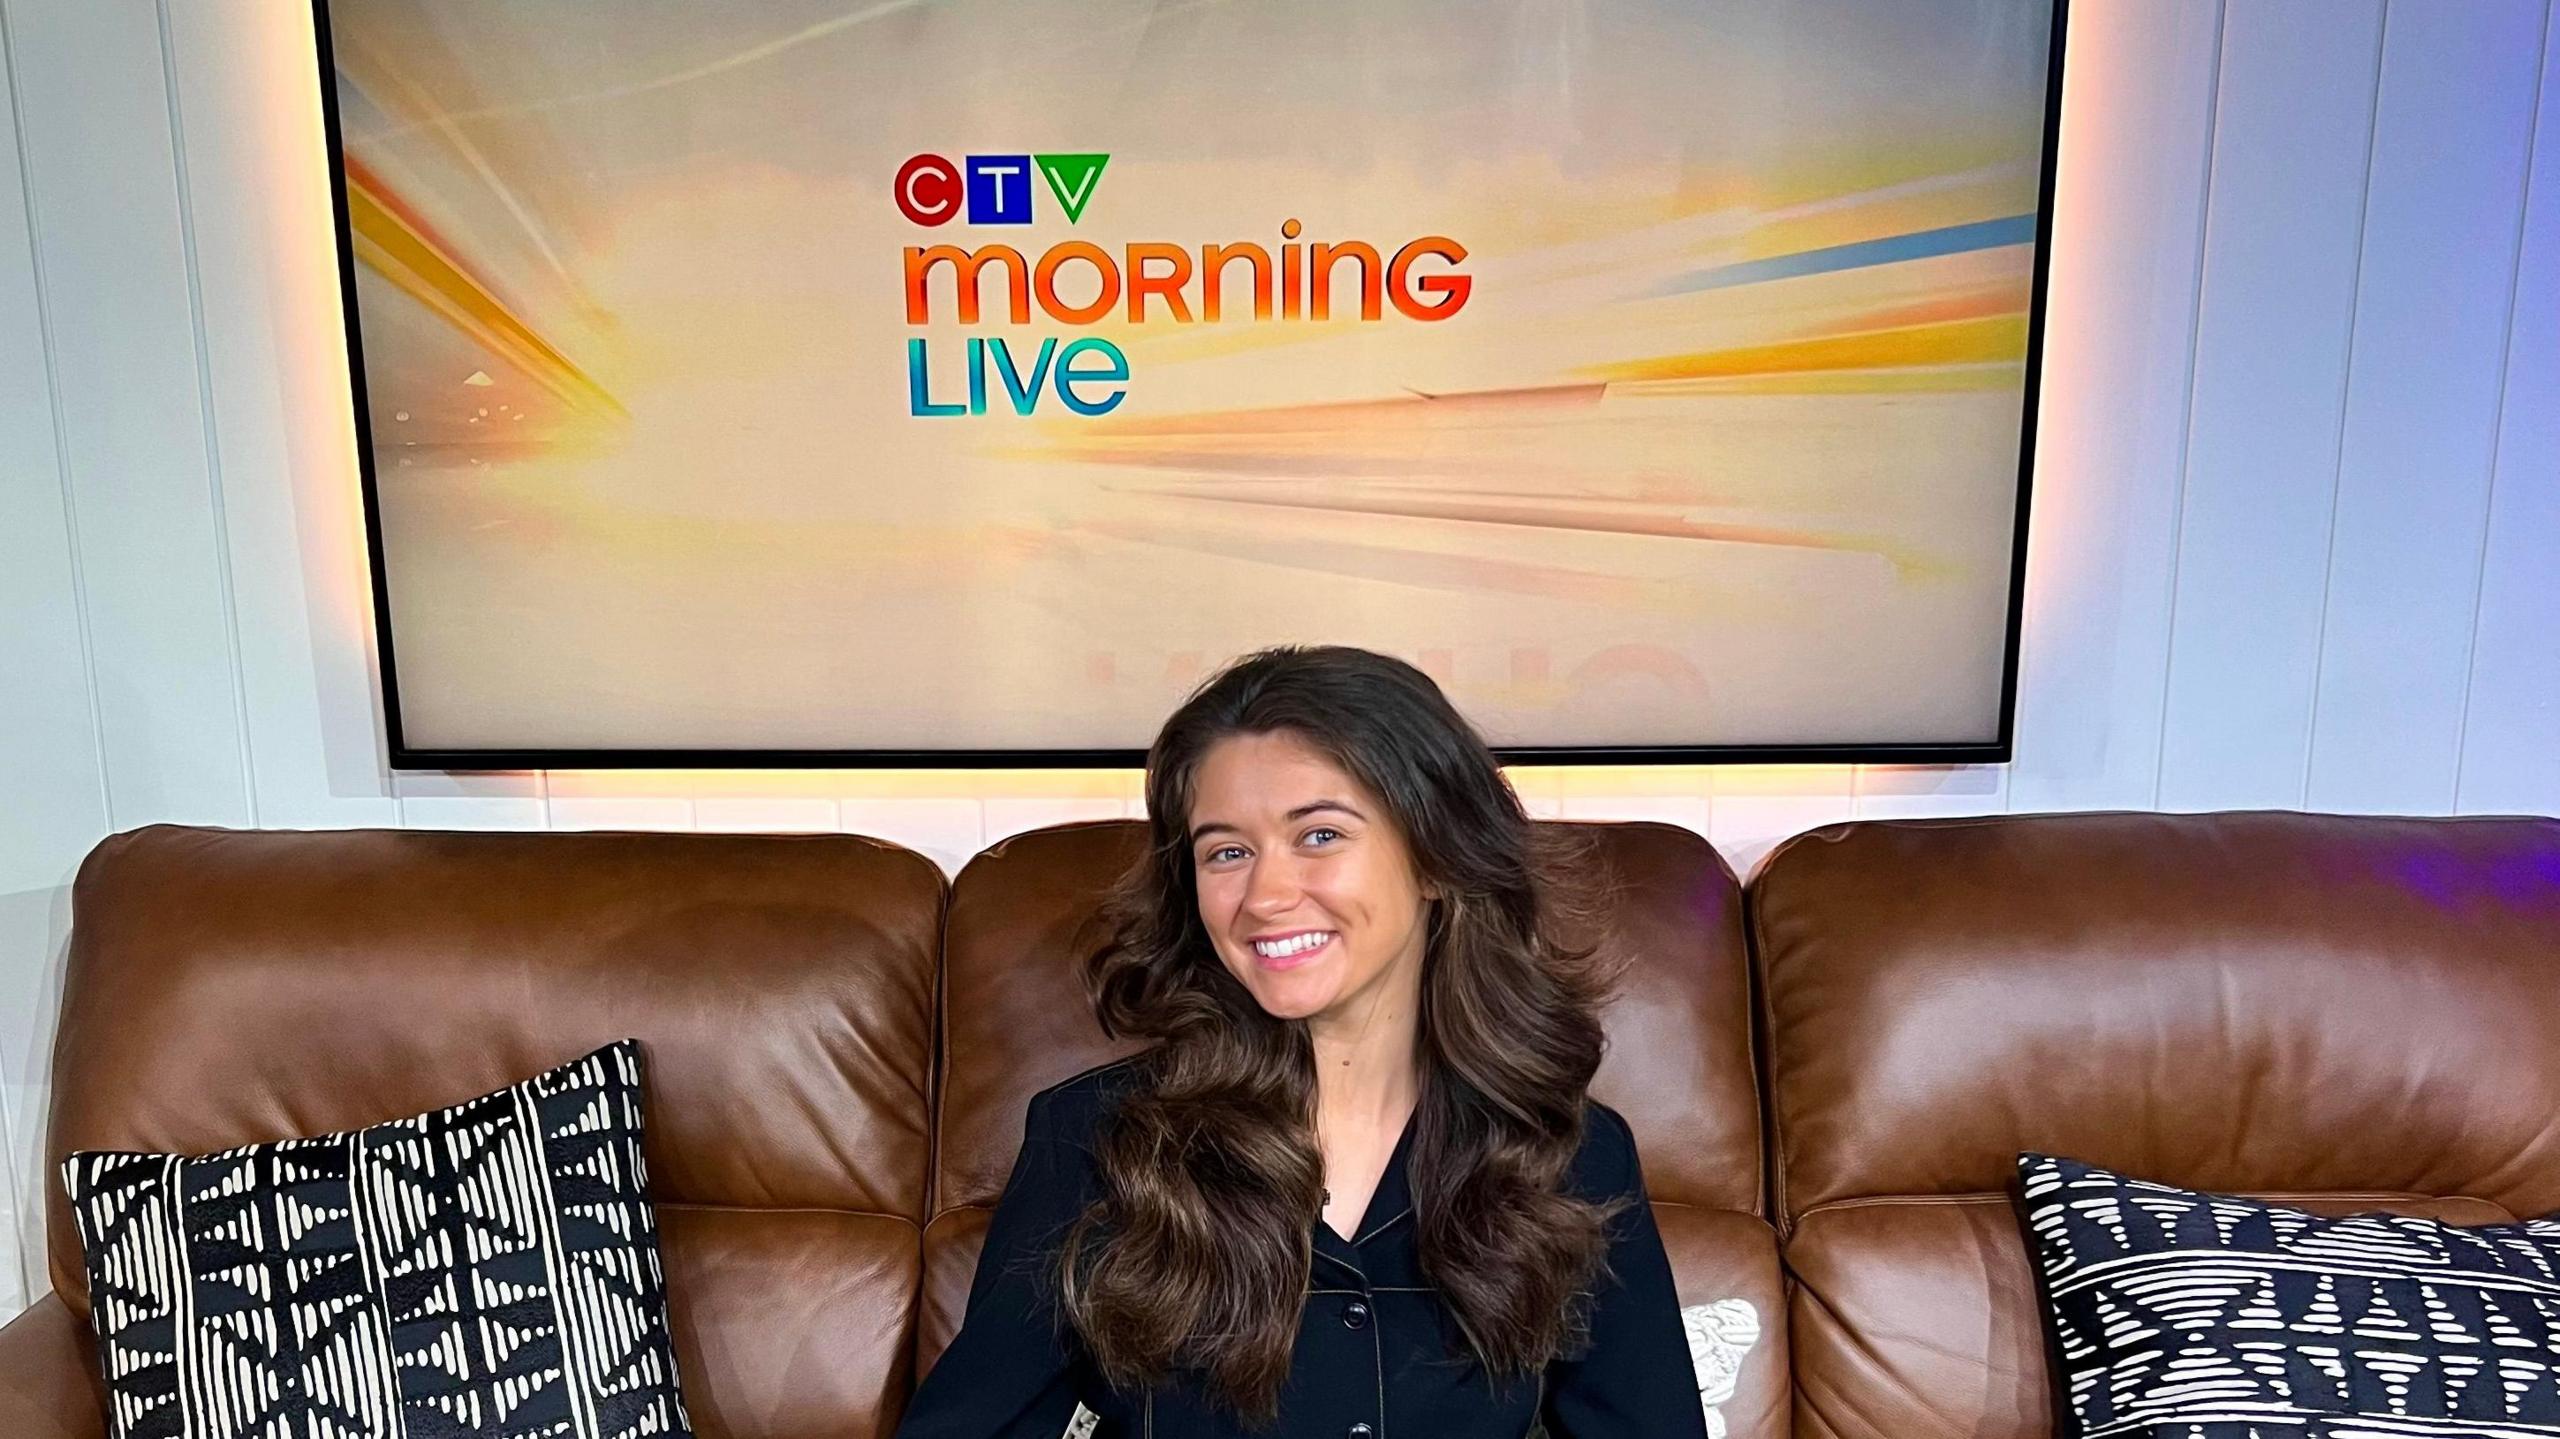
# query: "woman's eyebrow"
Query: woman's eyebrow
{"points": [[1202, 831]]}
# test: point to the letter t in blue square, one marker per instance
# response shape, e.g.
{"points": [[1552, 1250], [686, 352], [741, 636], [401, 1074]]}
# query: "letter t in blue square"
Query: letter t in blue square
{"points": [[999, 189]]}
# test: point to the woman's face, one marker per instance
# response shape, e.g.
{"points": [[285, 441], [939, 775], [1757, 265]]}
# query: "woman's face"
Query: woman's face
{"points": [[1306, 884]]}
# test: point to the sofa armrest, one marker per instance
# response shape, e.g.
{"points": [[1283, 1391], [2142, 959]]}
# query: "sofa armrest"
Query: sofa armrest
{"points": [[48, 1377]]}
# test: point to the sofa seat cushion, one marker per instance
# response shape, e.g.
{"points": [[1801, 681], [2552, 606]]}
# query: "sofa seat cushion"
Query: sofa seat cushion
{"points": [[1733, 1304], [486, 1268], [790, 1323], [2172, 1310]]}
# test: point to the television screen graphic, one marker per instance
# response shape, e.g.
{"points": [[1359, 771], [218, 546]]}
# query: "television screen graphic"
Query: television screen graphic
{"points": [[820, 382]]}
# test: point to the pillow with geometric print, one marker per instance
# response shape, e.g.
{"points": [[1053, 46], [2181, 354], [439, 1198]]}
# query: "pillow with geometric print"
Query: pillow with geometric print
{"points": [[2186, 1315], [486, 1269]]}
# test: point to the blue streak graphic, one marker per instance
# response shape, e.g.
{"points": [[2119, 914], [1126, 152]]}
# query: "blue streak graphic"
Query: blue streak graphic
{"points": [[1919, 245]]}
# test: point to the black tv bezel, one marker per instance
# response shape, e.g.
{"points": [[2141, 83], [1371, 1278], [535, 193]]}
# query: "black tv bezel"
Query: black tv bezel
{"points": [[404, 756]]}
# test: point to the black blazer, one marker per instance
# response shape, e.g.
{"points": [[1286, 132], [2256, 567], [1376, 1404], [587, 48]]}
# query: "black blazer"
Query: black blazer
{"points": [[1378, 1356]]}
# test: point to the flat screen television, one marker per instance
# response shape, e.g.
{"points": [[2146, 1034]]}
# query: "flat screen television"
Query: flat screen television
{"points": [[801, 382]]}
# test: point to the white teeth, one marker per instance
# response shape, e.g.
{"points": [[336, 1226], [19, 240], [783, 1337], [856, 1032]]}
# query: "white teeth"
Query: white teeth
{"points": [[1294, 944]]}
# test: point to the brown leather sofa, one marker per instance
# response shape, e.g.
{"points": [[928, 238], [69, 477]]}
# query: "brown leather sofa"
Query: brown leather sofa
{"points": [[2351, 1012]]}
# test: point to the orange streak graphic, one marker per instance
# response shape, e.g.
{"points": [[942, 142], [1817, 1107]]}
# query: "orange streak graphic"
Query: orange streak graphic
{"points": [[1600, 517], [389, 240], [1955, 342], [1465, 408], [2009, 297]]}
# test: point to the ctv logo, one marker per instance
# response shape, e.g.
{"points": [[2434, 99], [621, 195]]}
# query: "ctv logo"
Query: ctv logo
{"points": [[994, 189], [1079, 284]]}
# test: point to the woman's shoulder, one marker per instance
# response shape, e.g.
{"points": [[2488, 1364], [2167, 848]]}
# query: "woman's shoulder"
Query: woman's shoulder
{"points": [[1073, 1108]]}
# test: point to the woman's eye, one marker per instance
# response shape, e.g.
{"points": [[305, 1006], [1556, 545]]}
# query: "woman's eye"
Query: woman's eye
{"points": [[1212, 856], [1311, 834]]}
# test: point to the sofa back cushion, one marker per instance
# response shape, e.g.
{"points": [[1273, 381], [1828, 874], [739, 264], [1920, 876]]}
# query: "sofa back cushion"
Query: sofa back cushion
{"points": [[1679, 1065], [2321, 1009], [228, 987]]}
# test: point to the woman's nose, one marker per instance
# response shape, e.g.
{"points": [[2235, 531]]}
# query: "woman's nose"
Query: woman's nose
{"points": [[1272, 889]]}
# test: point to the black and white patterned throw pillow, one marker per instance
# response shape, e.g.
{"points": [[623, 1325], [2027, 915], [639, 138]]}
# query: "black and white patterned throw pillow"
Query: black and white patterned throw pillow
{"points": [[488, 1269], [2171, 1314]]}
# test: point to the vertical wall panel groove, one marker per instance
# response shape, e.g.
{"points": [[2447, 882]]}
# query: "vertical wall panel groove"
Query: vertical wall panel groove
{"points": [[2509, 758], [2452, 120], [2187, 418], [52, 774], [2346, 386], [205, 409], [54, 797], [53, 395], [2291, 141], [2498, 422], [94, 129]]}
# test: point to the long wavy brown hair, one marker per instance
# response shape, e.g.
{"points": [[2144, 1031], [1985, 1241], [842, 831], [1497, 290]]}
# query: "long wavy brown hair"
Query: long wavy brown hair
{"points": [[1197, 1255]]}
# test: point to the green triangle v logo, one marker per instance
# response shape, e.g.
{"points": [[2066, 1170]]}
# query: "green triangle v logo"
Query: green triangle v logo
{"points": [[1071, 179]]}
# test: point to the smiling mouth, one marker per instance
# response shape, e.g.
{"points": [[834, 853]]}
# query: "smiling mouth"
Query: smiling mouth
{"points": [[1294, 951]]}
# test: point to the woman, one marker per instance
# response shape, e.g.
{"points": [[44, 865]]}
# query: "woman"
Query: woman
{"points": [[1354, 1187]]}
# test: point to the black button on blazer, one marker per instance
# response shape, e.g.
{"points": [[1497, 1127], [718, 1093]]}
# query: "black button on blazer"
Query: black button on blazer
{"points": [[1378, 1355]]}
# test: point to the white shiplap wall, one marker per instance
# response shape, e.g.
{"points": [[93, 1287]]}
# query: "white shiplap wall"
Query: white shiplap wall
{"points": [[2297, 504]]}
